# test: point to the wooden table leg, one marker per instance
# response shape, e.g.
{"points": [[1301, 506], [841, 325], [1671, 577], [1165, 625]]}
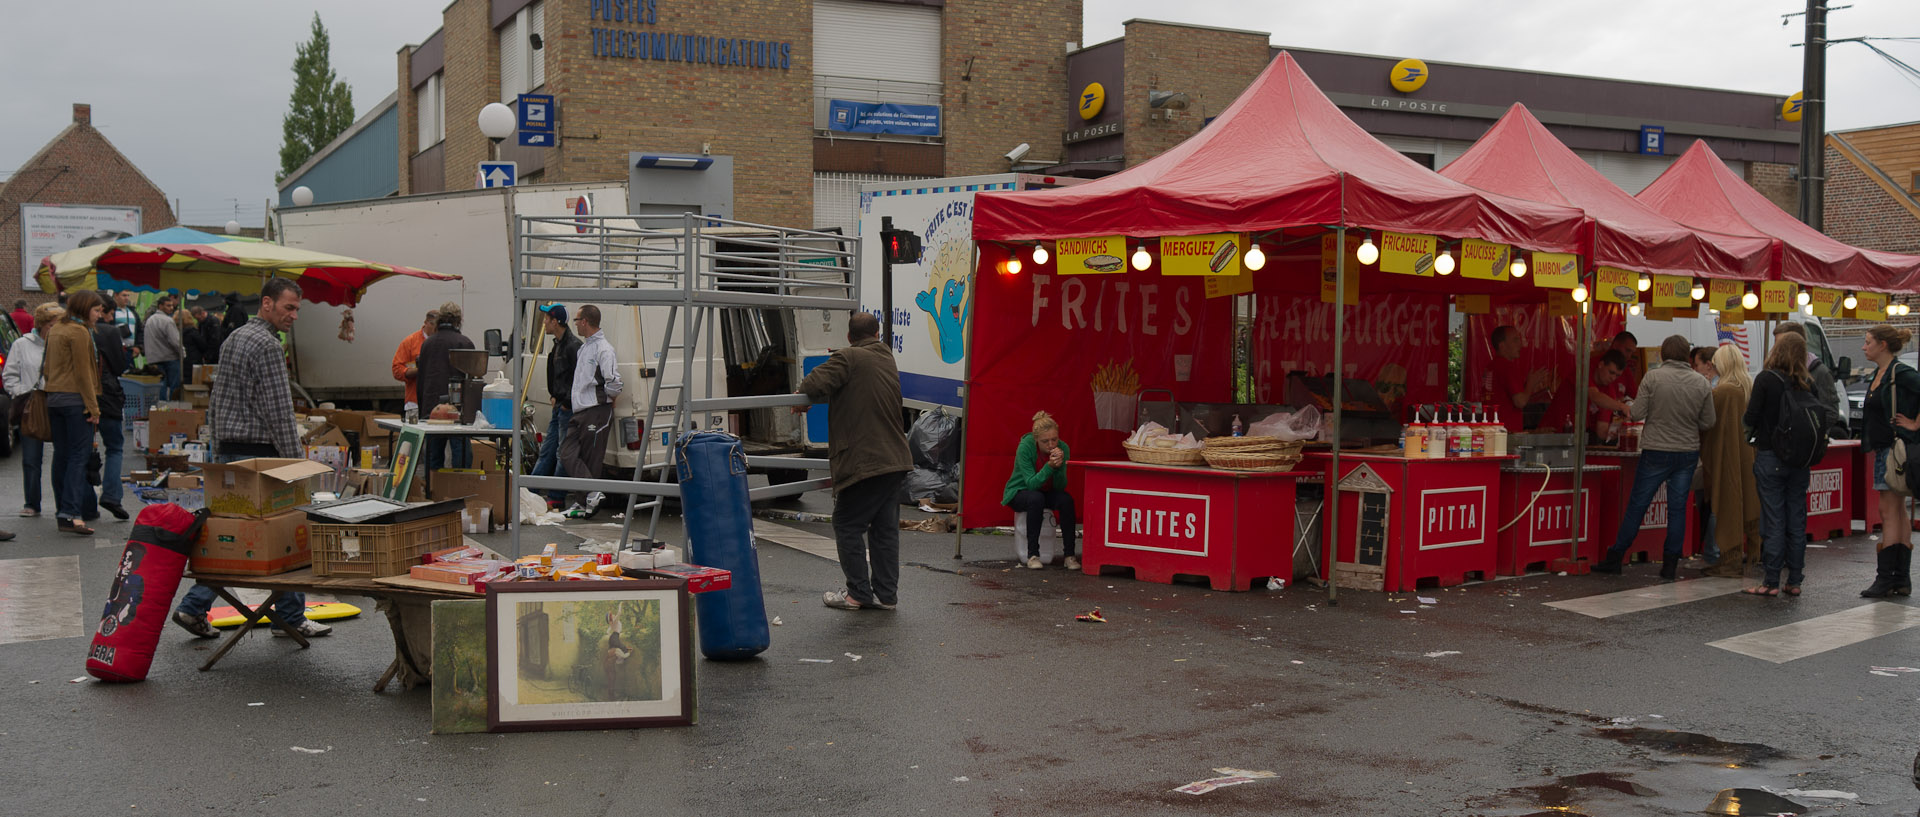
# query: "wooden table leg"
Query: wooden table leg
{"points": [[253, 617], [407, 666]]}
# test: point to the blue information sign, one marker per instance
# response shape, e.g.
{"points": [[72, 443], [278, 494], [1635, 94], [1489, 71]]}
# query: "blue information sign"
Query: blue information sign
{"points": [[883, 117], [536, 112], [1653, 140], [499, 174], [538, 139]]}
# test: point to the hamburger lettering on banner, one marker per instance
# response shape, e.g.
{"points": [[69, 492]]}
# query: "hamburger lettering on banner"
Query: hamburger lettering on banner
{"points": [[1615, 286], [1485, 260], [1407, 254], [1556, 270], [1672, 291], [1777, 296], [1097, 255], [1212, 254], [1329, 276]]}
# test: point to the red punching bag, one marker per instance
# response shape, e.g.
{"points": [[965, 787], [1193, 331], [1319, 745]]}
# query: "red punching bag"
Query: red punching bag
{"points": [[143, 588]]}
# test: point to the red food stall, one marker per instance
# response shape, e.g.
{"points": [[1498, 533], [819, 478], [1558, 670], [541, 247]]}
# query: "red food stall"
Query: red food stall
{"points": [[1415, 522], [1230, 527], [1537, 518]]}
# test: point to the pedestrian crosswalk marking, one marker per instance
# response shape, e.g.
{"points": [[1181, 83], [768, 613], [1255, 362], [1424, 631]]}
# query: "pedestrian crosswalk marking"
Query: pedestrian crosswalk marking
{"points": [[40, 599], [1641, 599], [797, 539], [1817, 635]]}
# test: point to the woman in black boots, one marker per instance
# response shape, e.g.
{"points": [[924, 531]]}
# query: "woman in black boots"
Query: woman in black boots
{"points": [[1892, 409]]}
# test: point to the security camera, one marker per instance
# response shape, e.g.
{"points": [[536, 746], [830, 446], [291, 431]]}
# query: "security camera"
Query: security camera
{"points": [[1019, 152]]}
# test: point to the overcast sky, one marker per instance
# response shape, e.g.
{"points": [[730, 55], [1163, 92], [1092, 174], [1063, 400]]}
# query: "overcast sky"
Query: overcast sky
{"points": [[193, 92]]}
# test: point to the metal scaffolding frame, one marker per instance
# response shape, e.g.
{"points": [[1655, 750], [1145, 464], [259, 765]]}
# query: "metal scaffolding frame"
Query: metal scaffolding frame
{"points": [[695, 266]]}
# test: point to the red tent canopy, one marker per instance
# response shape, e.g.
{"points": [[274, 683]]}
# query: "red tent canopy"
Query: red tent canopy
{"points": [[1282, 156], [1520, 157], [1700, 192]]}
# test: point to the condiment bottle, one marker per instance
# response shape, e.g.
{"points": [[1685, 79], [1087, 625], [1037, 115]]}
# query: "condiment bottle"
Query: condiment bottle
{"points": [[1497, 436], [1479, 430], [1237, 430]]}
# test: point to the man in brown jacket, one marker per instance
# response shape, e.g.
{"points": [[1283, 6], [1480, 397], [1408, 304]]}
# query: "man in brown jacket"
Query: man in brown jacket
{"points": [[867, 450]]}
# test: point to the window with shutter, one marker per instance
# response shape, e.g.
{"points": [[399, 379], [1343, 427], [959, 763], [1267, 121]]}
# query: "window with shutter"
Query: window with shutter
{"points": [[536, 58], [513, 58]]}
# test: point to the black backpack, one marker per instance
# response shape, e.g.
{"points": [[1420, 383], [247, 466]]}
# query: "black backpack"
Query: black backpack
{"points": [[1799, 432]]}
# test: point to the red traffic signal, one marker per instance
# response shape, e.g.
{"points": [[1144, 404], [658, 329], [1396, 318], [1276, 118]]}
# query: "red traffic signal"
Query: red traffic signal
{"points": [[901, 246]]}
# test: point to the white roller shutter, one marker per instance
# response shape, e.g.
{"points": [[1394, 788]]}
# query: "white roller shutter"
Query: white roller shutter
{"points": [[536, 60], [513, 58], [872, 40], [1450, 149], [1632, 172], [836, 198]]}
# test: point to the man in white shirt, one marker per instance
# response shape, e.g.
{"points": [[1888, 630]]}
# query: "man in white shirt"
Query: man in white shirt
{"points": [[596, 382]]}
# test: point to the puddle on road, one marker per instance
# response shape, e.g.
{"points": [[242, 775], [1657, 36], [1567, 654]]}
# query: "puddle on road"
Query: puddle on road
{"points": [[1753, 801], [1691, 744], [1567, 791], [1687, 774]]}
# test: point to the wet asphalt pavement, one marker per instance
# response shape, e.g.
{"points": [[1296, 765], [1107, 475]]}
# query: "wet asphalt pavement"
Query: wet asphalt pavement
{"points": [[983, 695]]}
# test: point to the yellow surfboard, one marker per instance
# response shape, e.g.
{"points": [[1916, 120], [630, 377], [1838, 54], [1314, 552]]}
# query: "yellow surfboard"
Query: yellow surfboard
{"points": [[316, 610]]}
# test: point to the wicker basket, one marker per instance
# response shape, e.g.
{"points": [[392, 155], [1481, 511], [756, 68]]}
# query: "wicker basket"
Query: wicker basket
{"points": [[1164, 456], [1219, 443], [1263, 459]]}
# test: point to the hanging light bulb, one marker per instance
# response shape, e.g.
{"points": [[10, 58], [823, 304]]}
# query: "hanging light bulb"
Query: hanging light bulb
{"points": [[1580, 294], [1804, 298], [1699, 290], [1633, 309], [1644, 283], [1255, 258], [1444, 264], [1013, 266], [1808, 308], [1367, 252], [1518, 268], [1040, 254], [1850, 301], [1750, 301], [1141, 261]]}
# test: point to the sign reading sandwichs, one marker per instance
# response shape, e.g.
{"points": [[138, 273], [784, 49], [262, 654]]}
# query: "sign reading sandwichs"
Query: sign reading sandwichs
{"points": [[623, 29]]}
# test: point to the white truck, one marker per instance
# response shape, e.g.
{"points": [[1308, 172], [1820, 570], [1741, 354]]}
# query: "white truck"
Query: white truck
{"points": [[930, 298], [1756, 336]]}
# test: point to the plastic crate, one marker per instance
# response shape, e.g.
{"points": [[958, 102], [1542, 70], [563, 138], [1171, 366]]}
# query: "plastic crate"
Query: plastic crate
{"points": [[375, 551], [141, 395]]}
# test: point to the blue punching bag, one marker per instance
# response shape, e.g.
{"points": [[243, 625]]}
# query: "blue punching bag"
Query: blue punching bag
{"points": [[719, 519]]}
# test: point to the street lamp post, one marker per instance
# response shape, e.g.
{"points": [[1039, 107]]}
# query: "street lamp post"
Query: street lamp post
{"points": [[496, 122]]}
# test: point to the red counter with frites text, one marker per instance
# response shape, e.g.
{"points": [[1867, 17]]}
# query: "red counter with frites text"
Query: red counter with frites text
{"points": [[1538, 516], [1830, 489], [1163, 521], [1407, 521], [1651, 543]]}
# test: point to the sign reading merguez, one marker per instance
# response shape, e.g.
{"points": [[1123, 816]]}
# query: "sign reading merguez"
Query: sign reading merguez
{"points": [[662, 46]]}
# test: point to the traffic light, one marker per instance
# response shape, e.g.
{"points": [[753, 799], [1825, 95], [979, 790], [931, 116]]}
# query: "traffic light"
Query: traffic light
{"points": [[902, 246]]}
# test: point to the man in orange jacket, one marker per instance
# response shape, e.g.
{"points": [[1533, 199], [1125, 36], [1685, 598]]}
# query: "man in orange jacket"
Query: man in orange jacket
{"points": [[406, 363]]}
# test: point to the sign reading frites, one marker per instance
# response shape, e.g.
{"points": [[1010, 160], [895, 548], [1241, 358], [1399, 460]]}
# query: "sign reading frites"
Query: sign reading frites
{"points": [[1211, 254], [1089, 256], [1870, 306], [1826, 302], [1777, 296], [1485, 260], [1725, 295], [1672, 291], [1407, 254], [1473, 304], [1615, 285], [1556, 270], [1328, 273]]}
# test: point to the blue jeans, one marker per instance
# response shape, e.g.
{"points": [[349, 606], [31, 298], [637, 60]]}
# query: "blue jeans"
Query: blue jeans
{"points": [[32, 454], [549, 463], [292, 607], [169, 378], [1783, 518], [113, 438], [72, 441], [1675, 470], [437, 453]]}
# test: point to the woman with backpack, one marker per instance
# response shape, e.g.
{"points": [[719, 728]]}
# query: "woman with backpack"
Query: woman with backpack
{"points": [[1782, 481], [1891, 411]]}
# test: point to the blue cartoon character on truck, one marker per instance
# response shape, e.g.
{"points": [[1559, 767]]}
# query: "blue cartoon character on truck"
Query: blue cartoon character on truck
{"points": [[950, 308]]}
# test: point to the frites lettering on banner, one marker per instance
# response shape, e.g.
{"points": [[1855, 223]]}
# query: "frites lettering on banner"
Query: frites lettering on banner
{"points": [[1097, 255], [1120, 304], [1407, 254], [1615, 286], [1485, 260], [1329, 275], [1555, 270], [1725, 295], [1211, 254], [1777, 296], [1870, 306], [1672, 291], [1827, 303]]}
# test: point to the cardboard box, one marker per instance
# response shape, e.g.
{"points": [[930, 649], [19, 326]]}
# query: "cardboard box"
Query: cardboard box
{"points": [[364, 481], [486, 456], [328, 435], [700, 579], [253, 547], [463, 572], [187, 482], [197, 396], [490, 489], [259, 487], [203, 374], [162, 424]]}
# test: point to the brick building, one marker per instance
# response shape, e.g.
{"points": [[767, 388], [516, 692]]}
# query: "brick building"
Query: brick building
{"points": [[769, 105], [1873, 191], [76, 187]]}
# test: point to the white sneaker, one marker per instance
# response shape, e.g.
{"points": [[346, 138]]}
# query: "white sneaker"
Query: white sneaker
{"points": [[307, 627], [1033, 562], [1072, 563]]}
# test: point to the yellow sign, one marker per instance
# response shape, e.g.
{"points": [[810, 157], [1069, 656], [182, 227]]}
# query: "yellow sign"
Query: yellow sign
{"points": [[1408, 75], [1092, 100], [1220, 286], [1735, 315], [1672, 291], [1826, 302], [1485, 260], [1870, 306], [1689, 312], [1210, 254], [1615, 285], [1556, 270], [1407, 254], [1725, 295], [1790, 109], [1089, 256], [1562, 305], [1777, 296], [1473, 304], [1328, 278]]}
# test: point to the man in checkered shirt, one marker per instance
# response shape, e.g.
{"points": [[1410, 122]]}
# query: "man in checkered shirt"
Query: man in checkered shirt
{"points": [[252, 416]]}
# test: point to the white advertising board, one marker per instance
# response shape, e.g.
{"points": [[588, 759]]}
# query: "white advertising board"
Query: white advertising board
{"points": [[46, 229]]}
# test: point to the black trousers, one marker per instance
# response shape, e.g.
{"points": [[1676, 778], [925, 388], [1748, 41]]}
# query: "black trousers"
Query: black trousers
{"points": [[585, 444], [866, 532], [1035, 505]]}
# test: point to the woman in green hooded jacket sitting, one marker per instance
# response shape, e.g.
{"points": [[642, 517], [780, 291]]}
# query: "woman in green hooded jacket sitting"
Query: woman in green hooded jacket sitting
{"points": [[1039, 484]]}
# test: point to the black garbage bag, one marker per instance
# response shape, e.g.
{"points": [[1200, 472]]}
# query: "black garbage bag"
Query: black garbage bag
{"points": [[927, 483], [935, 440]]}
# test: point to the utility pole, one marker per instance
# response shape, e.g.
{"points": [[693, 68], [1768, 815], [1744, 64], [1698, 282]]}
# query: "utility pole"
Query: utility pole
{"points": [[1813, 119]]}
